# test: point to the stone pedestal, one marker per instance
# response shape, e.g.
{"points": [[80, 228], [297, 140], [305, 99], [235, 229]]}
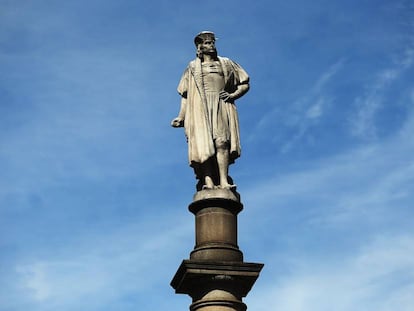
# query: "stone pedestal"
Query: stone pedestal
{"points": [[215, 276]]}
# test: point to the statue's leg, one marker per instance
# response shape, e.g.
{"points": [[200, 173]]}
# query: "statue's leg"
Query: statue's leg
{"points": [[223, 154], [207, 172]]}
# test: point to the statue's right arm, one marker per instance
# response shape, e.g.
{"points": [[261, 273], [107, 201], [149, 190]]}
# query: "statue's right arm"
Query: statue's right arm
{"points": [[182, 90], [179, 121]]}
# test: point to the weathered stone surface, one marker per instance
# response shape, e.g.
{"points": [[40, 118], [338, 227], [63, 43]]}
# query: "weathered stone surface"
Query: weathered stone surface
{"points": [[208, 88], [236, 278], [216, 194], [215, 276], [216, 225], [218, 300]]}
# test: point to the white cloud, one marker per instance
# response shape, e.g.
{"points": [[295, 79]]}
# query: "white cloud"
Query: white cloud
{"points": [[316, 110], [305, 111], [34, 280], [327, 76], [363, 124], [365, 194], [310, 108], [102, 267], [379, 276], [372, 175]]}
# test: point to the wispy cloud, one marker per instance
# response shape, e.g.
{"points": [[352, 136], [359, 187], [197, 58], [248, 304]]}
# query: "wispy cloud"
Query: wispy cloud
{"points": [[372, 176], [86, 118], [93, 177], [363, 124], [378, 276], [305, 111], [102, 267], [358, 205]]}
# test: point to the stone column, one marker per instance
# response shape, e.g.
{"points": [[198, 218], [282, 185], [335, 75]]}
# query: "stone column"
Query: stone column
{"points": [[215, 276]]}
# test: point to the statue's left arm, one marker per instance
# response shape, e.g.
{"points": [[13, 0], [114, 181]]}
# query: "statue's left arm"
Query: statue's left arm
{"points": [[239, 82]]}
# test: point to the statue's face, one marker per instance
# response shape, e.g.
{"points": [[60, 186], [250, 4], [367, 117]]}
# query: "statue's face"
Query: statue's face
{"points": [[208, 47]]}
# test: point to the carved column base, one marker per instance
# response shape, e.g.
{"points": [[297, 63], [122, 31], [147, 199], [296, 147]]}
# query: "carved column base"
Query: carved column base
{"points": [[216, 286]]}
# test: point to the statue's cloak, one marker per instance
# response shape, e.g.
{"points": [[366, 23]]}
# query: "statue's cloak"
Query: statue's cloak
{"points": [[196, 123]]}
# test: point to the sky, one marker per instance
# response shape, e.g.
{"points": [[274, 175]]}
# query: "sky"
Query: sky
{"points": [[95, 183]]}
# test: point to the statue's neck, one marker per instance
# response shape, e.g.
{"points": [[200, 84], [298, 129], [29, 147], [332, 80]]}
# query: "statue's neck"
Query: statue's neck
{"points": [[207, 58]]}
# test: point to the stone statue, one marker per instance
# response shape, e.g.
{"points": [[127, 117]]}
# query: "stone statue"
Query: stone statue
{"points": [[208, 88]]}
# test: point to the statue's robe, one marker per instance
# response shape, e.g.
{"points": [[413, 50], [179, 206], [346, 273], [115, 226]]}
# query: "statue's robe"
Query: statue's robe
{"points": [[197, 123]]}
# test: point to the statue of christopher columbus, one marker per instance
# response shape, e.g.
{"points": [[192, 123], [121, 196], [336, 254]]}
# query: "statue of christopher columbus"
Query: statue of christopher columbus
{"points": [[209, 87]]}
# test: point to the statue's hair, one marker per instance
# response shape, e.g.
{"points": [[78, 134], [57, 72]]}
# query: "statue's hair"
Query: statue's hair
{"points": [[199, 54]]}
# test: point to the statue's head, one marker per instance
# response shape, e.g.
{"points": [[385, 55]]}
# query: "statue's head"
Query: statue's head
{"points": [[205, 42], [204, 35]]}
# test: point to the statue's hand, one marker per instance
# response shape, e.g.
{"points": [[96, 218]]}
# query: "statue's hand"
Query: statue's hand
{"points": [[225, 96], [177, 122]]}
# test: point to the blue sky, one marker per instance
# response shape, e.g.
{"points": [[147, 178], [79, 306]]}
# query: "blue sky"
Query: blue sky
{"points": [[94, 183]]}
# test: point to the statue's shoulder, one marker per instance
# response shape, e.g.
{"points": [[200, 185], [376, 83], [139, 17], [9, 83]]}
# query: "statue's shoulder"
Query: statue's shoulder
{"points": [[224, 59], [230, 64], [192, 65]]}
